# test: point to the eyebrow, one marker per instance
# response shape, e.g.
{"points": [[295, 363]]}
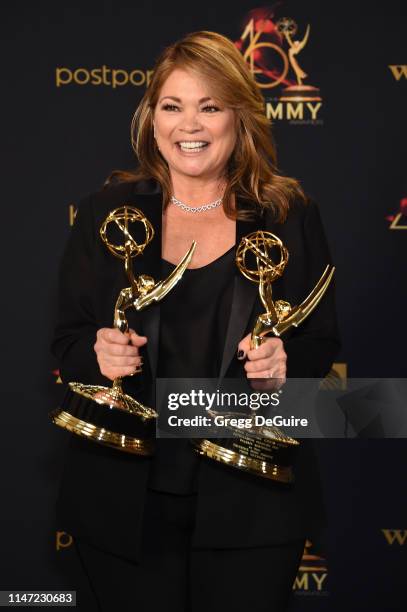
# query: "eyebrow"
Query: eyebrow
{"points": [[179, 99]]}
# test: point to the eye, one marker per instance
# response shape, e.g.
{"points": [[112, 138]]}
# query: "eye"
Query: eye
{"points": [[170, 107], [210, 108]]}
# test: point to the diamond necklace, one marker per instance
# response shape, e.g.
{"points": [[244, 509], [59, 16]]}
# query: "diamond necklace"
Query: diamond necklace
{"points": [[196, 209]]}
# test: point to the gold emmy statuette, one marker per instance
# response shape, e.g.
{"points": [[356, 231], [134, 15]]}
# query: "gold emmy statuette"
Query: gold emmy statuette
{"points": [[263, 450], [299, 92], [108, 415]]}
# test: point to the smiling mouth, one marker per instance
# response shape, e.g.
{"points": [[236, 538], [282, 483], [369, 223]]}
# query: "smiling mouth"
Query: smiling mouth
{"points": [[192, 146]]}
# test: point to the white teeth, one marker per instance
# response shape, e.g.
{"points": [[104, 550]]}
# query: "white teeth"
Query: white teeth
{"points": [[192, 145]]}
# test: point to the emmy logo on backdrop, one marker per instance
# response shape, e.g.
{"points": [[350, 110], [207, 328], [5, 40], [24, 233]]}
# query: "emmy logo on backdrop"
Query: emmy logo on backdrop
{"points": [[299, 92], [398, 221], [270, 63], [108, 415]]}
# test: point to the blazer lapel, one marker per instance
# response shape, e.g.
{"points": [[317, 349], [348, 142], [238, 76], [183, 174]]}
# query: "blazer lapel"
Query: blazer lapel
{"points": [[243, 298]]}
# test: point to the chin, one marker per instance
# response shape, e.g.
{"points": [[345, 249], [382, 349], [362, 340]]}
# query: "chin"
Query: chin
{"points": [[193, 172]]}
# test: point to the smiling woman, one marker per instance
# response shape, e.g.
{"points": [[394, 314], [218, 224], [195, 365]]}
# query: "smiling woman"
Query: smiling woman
{"points": [[194, 133], [158, 532]]}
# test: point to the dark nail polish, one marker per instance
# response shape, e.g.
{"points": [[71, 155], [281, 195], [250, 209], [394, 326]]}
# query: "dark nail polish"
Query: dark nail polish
{"points": [[240, 354]]}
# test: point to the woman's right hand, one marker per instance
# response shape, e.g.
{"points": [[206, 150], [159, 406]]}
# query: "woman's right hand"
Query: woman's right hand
{"points": [[117, 352]]}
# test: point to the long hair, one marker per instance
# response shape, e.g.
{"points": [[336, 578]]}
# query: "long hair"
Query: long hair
{"points": [[251, 172]]}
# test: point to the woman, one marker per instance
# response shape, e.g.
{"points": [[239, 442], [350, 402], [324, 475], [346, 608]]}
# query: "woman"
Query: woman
{"points": [[178, 530]]}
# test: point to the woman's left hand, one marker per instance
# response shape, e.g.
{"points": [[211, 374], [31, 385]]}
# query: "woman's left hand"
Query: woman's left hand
{"points": [[269, 360]]}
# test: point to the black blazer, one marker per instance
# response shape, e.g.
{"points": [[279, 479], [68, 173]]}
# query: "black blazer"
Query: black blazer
{"points": [[101, 496]]}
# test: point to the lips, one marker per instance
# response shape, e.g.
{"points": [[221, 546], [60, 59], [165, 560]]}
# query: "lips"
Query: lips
{"points": [[192, 146]]}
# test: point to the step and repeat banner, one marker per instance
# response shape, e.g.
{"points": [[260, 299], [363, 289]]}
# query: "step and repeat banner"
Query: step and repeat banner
{"points": [[334, 80]]}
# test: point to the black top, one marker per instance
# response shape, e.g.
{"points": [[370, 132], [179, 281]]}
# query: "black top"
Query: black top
{"points": [[193, 321]]}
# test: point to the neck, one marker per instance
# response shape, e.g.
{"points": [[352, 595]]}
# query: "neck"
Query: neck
{"points": [[197, 191]]}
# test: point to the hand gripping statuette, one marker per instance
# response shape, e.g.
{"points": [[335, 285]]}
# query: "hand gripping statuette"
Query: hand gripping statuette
{"points": [[108, 415], [265, 450]]}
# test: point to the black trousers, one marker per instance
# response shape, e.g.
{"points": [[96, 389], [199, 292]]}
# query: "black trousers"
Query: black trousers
{"points": [[175, 577]]}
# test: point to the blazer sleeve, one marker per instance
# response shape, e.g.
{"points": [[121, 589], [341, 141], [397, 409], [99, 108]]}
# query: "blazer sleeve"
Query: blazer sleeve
{"points": [[75, 332], [313, 346]]}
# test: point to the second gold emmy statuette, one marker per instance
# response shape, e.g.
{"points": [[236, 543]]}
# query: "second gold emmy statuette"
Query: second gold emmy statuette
{"points": [[264, 450], [107, 415]]}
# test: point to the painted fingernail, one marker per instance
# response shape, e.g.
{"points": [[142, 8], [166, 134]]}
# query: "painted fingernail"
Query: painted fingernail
{"points": [[240, 354]]}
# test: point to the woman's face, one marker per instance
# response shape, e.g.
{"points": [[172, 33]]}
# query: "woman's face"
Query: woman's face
{"points": [[195, 135]]}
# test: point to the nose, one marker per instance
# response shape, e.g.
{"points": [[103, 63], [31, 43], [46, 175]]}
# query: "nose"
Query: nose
{"points": [[190, 122]]}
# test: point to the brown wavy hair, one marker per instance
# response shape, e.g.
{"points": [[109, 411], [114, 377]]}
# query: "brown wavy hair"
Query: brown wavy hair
{"points": [[251, 172]]}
